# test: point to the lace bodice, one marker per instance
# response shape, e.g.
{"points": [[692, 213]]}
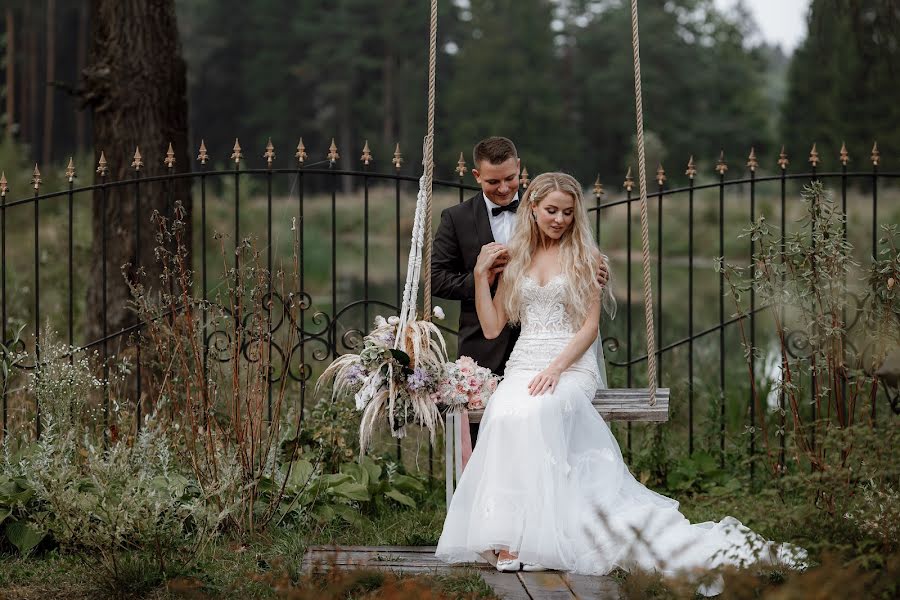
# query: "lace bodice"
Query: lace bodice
{"points": [[544, 310], [546, 329]]}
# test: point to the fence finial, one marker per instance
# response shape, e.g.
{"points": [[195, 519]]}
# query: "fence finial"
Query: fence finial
{"points": [[598, 188], [752, 163], [36, 178], [398, 157], [461, 165], [269, 154], [333, 152], [691, 168], [814, 156], [236, 155], [170, 157], [629, 181], [301, 154], [721, 165], [366, 157], [524, 180], [102, 165], [783, 161], [203, 155], [660, 174], [70, 170], [137, 161], [4, 188], [845, 156], [876, 155]]}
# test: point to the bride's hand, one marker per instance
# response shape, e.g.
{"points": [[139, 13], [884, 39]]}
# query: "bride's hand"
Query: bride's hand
{"points": [[545, 381], [491, 256]]}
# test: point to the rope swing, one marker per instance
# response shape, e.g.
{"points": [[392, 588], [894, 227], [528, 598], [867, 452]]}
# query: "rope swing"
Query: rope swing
{"points": [[645, 229], [421, 234], [399, 374]]}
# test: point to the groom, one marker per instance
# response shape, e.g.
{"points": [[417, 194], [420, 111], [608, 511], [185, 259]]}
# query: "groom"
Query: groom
{"points": [[486, 218]]}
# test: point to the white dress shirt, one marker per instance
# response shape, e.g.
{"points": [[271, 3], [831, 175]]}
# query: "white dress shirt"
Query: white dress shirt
{"points": [[502, 224]]}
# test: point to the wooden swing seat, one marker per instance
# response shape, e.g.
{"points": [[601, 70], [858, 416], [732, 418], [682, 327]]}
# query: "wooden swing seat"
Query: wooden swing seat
{"points": [[617, 404], [621, 404]]}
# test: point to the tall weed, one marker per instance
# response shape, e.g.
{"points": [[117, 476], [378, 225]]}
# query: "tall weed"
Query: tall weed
{"points": [[827, 369]]}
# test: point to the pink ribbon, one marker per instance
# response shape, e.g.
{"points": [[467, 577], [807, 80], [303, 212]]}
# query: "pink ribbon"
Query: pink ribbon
{"points": [[465, 438]]}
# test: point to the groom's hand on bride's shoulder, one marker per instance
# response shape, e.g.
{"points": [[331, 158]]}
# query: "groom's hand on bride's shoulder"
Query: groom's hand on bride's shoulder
{"points": [[603, 271], [495, 272]]}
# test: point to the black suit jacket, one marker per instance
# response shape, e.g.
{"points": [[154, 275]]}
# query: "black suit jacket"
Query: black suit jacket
{"points": [[464, 229]]}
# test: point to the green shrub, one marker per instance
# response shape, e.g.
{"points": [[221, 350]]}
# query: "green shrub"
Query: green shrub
{"points": [[110, 500]]}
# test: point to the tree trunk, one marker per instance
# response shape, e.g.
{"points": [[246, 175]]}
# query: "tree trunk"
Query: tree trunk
{"points": [[48, 79], [10, 73], [80, 115], [135, 81]]}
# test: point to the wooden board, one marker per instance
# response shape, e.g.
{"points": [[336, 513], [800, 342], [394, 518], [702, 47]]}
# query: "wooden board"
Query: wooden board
{"points": [[586, 587], [546, 585], [621, 404], [420, 549], [407, 559], [420, 560], [507, 586]]}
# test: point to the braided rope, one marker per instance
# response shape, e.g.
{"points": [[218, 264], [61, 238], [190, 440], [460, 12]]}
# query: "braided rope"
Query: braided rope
{"points": [[421, 231], [413, 265], [428, 158], [645, 229]]}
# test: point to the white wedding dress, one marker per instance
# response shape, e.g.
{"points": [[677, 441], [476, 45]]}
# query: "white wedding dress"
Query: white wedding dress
{"points": [[547, 481]]}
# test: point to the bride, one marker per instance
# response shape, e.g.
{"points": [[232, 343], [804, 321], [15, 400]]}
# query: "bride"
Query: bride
{"points": [[546, 486]]}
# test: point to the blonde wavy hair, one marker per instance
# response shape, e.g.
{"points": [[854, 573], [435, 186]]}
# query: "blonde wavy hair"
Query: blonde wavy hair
{"points": [[577, 250]]}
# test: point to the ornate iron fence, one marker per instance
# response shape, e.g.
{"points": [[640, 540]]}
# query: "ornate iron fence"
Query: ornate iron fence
{"points": [[331, 323]]}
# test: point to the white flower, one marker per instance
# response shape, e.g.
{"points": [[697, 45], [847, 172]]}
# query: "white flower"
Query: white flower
{"points": [[361, 398], [380, 321], [439, 313], [394, 320]]}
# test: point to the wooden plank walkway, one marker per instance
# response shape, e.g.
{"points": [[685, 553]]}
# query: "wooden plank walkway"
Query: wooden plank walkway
{"points": [[549, 585]]}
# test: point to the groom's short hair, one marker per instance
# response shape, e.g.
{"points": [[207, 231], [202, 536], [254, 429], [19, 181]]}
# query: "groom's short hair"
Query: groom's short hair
{"points": [[495, 150]]}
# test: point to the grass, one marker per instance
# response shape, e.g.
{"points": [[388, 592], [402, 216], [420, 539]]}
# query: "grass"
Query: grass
{"points": [[264, 567], [268, 565]]}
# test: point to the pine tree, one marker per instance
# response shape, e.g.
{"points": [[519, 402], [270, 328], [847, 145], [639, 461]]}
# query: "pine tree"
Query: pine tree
{"points": [[506, 83], [838, 77]]}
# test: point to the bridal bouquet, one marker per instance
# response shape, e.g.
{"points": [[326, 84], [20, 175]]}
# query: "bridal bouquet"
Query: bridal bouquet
{"points": [[466, 385], [412, 385], [387, 383]]}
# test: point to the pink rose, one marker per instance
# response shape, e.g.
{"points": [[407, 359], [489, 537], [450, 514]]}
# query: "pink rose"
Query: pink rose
{"points": [[466, 364]]}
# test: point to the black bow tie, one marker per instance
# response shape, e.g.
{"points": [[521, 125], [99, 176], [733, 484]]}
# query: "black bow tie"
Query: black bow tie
{"points": [[511, 207]]}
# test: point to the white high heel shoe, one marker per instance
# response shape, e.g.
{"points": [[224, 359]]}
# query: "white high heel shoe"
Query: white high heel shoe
{"points": [[508, 565]]}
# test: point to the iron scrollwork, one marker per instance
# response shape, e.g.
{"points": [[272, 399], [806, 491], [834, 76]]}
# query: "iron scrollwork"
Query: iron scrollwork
{"points": [[319, 332]]}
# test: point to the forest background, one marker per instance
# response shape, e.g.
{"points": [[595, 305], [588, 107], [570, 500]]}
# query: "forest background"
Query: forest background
{"points": [[553, 75]]}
